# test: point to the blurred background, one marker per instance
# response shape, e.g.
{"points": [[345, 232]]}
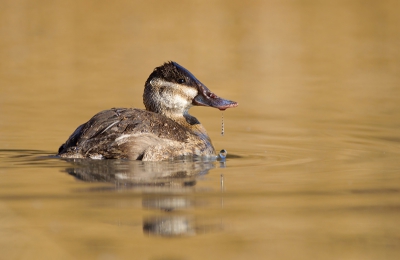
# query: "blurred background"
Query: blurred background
{"points": [[316, 134], [63, 61]]}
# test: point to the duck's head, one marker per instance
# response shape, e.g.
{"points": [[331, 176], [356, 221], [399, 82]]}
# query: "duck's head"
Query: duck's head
{"points": [[172, 90]]}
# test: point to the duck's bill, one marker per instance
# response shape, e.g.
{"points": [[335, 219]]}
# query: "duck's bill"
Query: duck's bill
{"points": [[209, 99]]}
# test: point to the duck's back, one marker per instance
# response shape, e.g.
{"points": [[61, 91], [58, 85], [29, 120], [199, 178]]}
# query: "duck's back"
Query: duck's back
{"points": [[133, 134]]}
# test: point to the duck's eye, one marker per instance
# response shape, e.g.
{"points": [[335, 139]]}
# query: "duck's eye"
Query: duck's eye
{"points": [[181, 81]]}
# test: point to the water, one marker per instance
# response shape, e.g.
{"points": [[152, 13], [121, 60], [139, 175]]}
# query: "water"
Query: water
{"points": [[313, 164]]}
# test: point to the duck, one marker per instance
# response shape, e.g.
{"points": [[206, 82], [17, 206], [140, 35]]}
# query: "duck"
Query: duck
{"points": [[164, 130]]}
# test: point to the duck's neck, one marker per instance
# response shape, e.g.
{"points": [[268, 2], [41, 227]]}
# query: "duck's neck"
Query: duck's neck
{"points": [[190, 122], [183, 119]]}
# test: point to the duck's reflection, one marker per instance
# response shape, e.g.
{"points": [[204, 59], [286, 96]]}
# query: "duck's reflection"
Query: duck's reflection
{"points": [[166, 188], [172, 222], [169, 226], [138, 173], [166, 202]]}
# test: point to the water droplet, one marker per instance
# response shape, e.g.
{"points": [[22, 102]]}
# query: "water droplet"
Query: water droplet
{"points": [[222, 126], [223, 153]]}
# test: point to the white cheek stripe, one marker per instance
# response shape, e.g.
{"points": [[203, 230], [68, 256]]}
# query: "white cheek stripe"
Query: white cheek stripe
{"points": [[190, 92], [179, 101]]}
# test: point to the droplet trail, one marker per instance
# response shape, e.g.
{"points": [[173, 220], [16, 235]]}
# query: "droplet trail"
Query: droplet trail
{"points": [[222, 124]]}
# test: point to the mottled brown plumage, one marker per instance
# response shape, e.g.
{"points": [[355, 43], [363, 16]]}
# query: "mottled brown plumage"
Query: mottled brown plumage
{"points": [[163, 131]]}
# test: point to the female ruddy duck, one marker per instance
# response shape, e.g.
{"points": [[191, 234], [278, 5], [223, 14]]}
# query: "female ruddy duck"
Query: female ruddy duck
{"points": [[164, 130]]}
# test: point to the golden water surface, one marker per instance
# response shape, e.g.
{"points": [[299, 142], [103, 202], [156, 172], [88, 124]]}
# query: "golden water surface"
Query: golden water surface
{"points": [[313, 167]]}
